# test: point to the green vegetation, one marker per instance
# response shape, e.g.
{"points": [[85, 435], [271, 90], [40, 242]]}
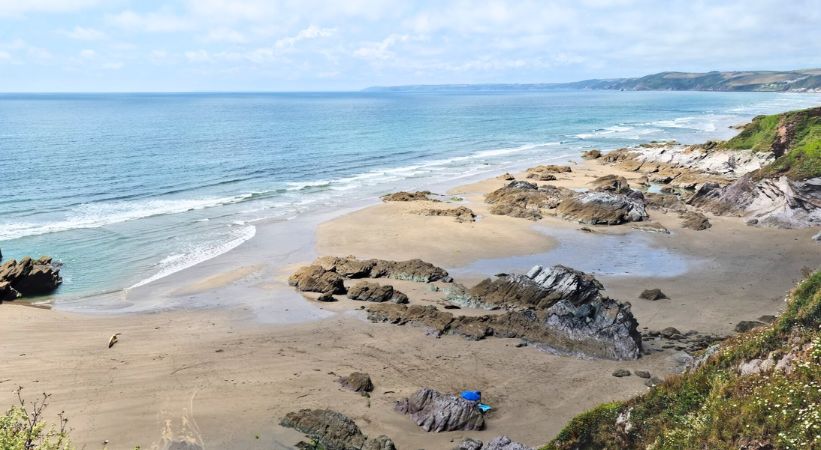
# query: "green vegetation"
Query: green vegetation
{"points": [[794, 137], [23, 427], [716, 407]]}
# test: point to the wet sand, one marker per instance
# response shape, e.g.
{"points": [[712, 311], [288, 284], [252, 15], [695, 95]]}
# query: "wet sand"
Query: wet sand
{"points": [[242, 348]]}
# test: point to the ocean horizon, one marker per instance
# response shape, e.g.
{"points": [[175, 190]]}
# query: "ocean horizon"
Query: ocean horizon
{"points": [[126, 189]]}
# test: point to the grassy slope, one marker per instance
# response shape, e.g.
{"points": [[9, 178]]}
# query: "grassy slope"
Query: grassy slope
{"points": [[802, 158], [714, 407]]}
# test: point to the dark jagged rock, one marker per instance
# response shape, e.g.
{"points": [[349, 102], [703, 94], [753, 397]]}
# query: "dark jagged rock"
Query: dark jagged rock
{"points": [[695, 220], [525, 200], [28, 277], [357, 382], [469, 444], [403, 196], [603, 208], [333, 430], [621, 373], [747, 325], [434, 411], [504, 443], [326, 298], [611, 183], [462, 214], [642, 373], [374, 292], [560, 308], [652, 294], [664, 202], [316, 279], [507, 176]]}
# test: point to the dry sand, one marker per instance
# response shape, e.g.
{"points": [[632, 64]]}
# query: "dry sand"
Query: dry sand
{"points": [[224, 379]]}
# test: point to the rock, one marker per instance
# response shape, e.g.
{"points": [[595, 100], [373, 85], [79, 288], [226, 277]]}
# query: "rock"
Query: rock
{"points": [[602, 208], [434, 411], [767, 318], [504, 443], [670, 332], [653, 381], [664, 202], [642, 373], [402, 196], [591, 154], [333, 430], [611, 183], [747, 325], [817, 237], [694, 220], [507, 176], [28, 277], [542, 176], [469, 444], [326, 297], [411, 270], [547, 169], [560, 308], [650, 227], [357, 382], [316, 279], [653, 294], [374, 292], [461, 214], [525, 200], [621, 373]]}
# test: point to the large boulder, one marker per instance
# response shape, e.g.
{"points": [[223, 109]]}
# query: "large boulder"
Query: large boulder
{"points": [[357, 382], [434, 411], [374, 292], [694, 220], [333, 430], [611, 183], [28, 277], [525, 200], [560, 308], [403, 196], [316, 279], [412, 270], [603, 208]]}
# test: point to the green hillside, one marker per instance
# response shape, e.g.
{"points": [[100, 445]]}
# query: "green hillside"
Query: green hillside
{"points": [[794, 137], [714, 407]]}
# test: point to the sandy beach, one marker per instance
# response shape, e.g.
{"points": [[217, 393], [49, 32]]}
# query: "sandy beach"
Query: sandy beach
{"points": [[225, 375]]}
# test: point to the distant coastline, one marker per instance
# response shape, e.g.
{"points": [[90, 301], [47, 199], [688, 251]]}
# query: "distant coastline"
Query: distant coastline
{"points": [[808, 80]]}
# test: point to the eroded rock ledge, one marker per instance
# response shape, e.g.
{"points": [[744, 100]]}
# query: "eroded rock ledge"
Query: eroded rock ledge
{"points": [[559, 308], [28, 277], [434, 411], [333, 431]]}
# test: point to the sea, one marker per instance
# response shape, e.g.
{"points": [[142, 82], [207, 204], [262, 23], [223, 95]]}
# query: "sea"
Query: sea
{"points": [[126, 189]]}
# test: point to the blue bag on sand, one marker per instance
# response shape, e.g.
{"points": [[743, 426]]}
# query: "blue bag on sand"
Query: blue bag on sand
{"points": [[473, 396]]}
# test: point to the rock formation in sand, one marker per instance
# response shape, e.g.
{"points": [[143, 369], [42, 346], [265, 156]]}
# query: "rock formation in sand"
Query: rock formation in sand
{"points": [[525, 200], [560, 308], [434, 411], [403, 196], [357, 382], [603, 208], [375, 292], [333, 430], [28, 277], [462, 214], [327, 275]]}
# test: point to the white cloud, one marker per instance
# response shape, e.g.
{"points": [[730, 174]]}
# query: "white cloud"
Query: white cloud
{"points": [[12, 8], [312, 32], [5, 56], [226, 35], [381, 50], [198, 56], [154, 22], [85, 34], [87, 54]]}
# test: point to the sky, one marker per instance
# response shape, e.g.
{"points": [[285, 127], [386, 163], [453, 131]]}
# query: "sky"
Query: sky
{"points": [[309, 45]]}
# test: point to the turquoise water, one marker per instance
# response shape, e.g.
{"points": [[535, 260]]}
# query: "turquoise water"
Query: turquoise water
{"points": [[128, 188]]}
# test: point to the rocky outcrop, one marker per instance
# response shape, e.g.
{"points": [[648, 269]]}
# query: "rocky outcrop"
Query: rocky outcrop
{"points": [[525, 200], [462, 214], [603, 208], [333, 430], [694, 220], [497, 443], [374, 292], [411, 270], [315, 278], [28, 277], [611, 183], [592, 154], [561, 309], [651, 227], [402, 196], [664, 202], [543, 170], [434, 411], [653, 294], [357, 382], [778, 202]]}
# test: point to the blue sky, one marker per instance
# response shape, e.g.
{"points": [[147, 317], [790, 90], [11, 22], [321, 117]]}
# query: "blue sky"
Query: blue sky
{"points": [[259, 45]]}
